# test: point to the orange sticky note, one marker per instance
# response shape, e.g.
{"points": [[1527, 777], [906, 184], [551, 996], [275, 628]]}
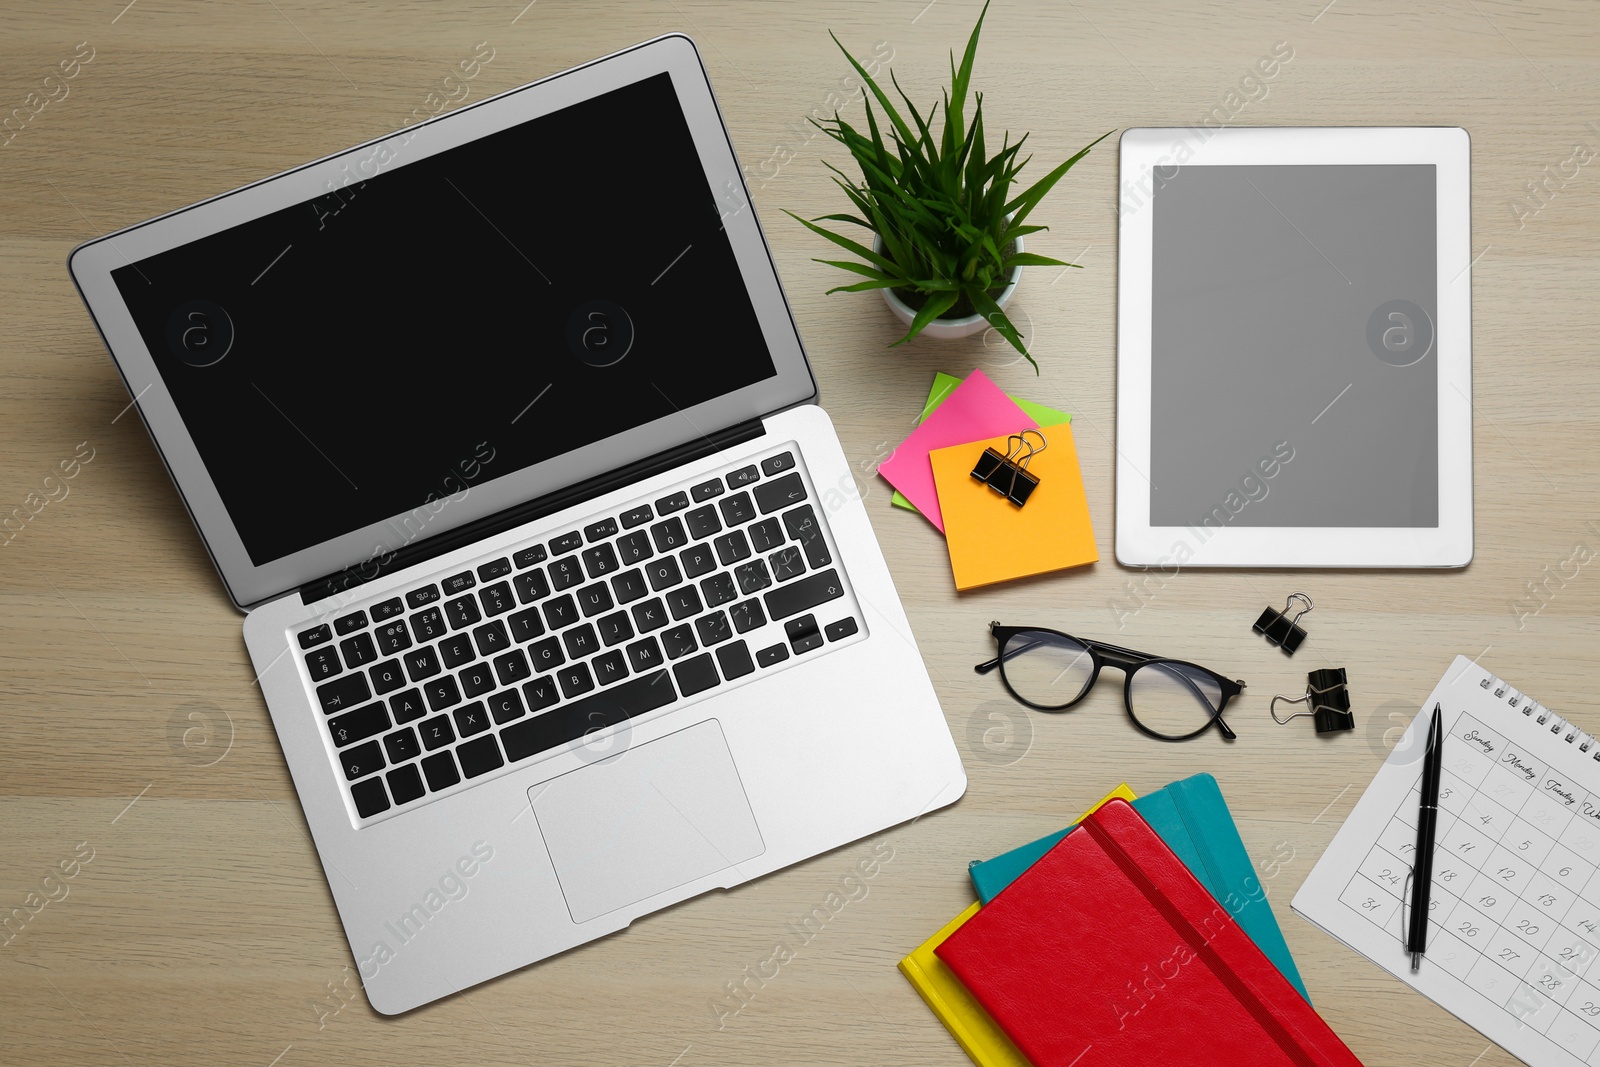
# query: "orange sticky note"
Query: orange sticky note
{"points": [[991, 539]]}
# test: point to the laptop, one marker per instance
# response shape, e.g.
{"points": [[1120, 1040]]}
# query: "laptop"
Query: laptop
{"points": [[556, 579]]}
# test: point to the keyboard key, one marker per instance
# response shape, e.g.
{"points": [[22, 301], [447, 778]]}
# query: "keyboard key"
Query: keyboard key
{"points": [[369, 797], [458, 583], [806, 593], [323, 663], [387, 677], [742, 477], [766, 534], [512, 667], [838, 631], [772, 654], [718, 590], [462, 611], [786, 563], [562, 611], [441, 693], [541, 693], [610, 668], [737, 509], [803, 527], [599, 531], [600, 560], [426, 595], [695, 675], [634, 548], [477, 680], [407, 706], [387, 610], [637, 696], [456, 650], [803, 633], [777, 464], [713, 628], [315, 636], [428, 625], [471, 719], [526, 625], [683, 602], [731, 548], [497, 568], [566, 573], [668, 535], [496, 599], [358, 651], [637, 516], [402, 745], [440, 769], [531, 586], [480, 756], [663, 573], [678, 641], [706, 490], [394, 637], [575, 680], [422, 663], [702, 522], [546, 655], [349, 624], [580, 641], [651, 615], [594, 599], [345, 693], [753, 576], [629, 586], [506, 706], [614, 628], [361, 760], [405, 783], [491, 638], [734, 660], [775, 496], [568, 542], [698, 560], [529, 556], [644, 655], [437, 732], [747, 616], [358, 725]]}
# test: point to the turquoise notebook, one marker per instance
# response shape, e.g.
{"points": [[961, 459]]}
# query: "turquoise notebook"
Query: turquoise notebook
{"points": [[1193, 819]]}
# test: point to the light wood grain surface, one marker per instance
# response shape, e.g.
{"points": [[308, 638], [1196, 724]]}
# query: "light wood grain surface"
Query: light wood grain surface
{"points": [[201, 932]]}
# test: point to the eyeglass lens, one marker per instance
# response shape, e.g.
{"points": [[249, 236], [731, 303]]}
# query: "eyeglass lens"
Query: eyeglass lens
{"points": [[1050, 670]]}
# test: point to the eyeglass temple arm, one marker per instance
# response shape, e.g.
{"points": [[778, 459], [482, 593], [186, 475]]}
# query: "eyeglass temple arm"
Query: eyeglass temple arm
{"points": [[989, 665]]}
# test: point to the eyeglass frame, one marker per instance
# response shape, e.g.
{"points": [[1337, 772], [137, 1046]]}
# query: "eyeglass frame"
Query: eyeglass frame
{"points": [[1126, 660]]}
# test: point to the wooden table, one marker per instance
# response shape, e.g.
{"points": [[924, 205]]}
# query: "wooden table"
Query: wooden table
{"points": [[201, 930]]}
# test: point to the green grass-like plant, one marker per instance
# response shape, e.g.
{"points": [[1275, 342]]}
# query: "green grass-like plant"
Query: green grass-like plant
{"points": [[942, 207]]}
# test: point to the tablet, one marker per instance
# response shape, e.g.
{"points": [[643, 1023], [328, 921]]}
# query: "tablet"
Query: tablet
{"points": [[1294, 348]]}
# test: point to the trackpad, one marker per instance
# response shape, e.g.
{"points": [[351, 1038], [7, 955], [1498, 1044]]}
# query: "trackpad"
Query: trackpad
{"points": [[646, 821]]}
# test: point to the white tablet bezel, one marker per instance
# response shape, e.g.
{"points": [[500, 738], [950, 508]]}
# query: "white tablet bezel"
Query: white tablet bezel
{"points": [[248, 584], [1139, 543]]}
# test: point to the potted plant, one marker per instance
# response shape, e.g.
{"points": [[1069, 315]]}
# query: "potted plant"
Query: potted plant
{"points": [[948, 230]]}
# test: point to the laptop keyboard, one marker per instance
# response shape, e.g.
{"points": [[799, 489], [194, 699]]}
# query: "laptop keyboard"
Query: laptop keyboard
{"points": [[425, 693]]}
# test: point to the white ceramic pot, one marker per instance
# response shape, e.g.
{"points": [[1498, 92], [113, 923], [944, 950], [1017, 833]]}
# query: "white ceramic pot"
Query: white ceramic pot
{"points": [[948, 328]]}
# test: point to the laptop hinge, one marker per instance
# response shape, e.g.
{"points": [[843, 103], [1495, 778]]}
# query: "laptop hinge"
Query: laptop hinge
{"points": [[489, 525]]}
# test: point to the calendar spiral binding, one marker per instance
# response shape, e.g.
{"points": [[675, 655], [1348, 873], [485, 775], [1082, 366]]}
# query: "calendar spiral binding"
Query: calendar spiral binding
{"points": [[1540, 714]]}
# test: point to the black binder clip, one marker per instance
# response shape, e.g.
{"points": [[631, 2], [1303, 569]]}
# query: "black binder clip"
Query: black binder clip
{"points": [[1281, 630], [1008, 474], [1327, 699]]}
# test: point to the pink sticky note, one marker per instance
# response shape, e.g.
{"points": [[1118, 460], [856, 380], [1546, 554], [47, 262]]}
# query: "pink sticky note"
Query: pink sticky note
{"points": [[978, 409]]}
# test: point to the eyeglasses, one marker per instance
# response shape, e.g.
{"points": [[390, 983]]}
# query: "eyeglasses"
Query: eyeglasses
{"points": [[1168, 699]]}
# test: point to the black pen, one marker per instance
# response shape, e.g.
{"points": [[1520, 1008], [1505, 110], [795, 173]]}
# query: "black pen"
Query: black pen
{"points": [[1427, 820]]}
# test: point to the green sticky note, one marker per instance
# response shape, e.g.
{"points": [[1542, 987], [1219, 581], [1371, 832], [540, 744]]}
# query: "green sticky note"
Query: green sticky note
{"points": [[945, 384]]}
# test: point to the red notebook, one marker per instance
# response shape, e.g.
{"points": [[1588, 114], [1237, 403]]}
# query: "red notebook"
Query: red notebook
{"points": [[1108, 952]]}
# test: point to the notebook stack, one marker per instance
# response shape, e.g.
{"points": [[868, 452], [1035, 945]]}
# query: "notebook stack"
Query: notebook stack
{"points": [[1140, 935]]}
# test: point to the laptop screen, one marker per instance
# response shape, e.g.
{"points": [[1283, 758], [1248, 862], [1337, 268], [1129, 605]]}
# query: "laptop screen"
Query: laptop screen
{"points": [[452, 320]]}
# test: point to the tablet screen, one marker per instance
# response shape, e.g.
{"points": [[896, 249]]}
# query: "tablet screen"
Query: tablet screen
{"points": [[1294, 367]]}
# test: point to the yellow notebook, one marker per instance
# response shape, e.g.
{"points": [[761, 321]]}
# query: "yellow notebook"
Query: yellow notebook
{"points": [[982, 1040], [991, 539]]}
